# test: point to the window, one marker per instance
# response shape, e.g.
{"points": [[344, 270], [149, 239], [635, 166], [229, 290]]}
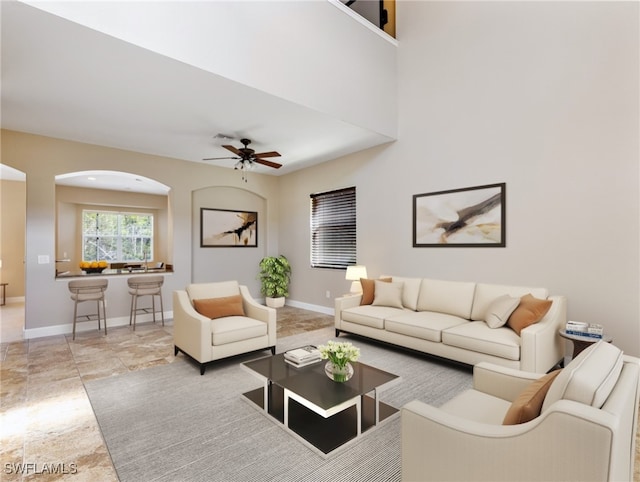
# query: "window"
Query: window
{"points": [[112, 236], [333, 228]]}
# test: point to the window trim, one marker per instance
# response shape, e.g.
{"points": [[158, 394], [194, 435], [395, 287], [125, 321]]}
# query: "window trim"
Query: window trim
{"points": [[118, 213]]}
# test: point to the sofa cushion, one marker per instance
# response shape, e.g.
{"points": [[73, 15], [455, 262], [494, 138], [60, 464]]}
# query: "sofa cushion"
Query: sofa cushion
{"points": [[198, 291], [236, 328], [387, 294], [426, 325], [485, 293], [530, 310], [219, 307], [589, 377], [499, 310], [452, 297], [410, 291], [369, 315], [477, 406], [477, 336], [369, 289], [528, 404]]}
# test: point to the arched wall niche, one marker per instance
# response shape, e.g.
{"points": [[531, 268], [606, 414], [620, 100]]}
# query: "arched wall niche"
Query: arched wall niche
{"points": [[228, 263]]}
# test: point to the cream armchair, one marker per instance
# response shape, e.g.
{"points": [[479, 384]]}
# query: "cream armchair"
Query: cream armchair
{"points": [[585, 431], [232, 323]]}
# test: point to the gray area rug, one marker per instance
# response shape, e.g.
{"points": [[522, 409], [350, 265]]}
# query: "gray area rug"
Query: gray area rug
{"points": [[168, 423]]}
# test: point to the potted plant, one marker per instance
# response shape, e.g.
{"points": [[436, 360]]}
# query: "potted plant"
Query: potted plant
{"points": [[274, 276]]}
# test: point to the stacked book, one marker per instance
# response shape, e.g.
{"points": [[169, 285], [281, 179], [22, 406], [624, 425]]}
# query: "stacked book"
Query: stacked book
{"points": [[304, 356], [592, 330]]}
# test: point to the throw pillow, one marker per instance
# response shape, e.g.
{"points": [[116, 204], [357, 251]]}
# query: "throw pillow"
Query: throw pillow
{"points": [[369, 288], [528, 404], [387, 294], [529, 311], [499, 310], [218, 307]]}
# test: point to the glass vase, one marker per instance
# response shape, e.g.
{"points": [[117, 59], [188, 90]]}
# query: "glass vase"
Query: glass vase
{"points": [[338, 374]]}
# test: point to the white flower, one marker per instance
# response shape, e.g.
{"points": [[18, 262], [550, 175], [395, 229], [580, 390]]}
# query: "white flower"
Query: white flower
{"points": [[340, 353]]}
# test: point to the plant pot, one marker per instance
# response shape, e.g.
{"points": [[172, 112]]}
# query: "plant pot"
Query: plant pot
{"points": [[275, 302]]}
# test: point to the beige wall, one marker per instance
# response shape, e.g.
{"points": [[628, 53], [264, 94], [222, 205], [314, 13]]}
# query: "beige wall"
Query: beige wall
{"points": [[540, 95], [42, 158], [12, 236]]}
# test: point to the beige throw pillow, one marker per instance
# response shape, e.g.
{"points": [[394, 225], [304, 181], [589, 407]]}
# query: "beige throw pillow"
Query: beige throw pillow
{"points": [[220, 307], [369, 288], [387, 294], [528, 404], [499, 310]]}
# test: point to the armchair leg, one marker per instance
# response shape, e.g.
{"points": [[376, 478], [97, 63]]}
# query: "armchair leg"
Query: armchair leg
{"points": [[175, 350], [337, 333], [273, 350], [202, 368]]}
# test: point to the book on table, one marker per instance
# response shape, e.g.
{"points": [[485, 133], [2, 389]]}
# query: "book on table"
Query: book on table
{"points": [[303, 356]]}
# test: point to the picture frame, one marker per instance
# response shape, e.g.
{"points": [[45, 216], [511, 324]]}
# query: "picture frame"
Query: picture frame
{"points": [[466, 217], [228, 228]]}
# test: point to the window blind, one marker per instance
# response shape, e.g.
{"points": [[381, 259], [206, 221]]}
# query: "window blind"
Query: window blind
{"points": [[333, 228]]}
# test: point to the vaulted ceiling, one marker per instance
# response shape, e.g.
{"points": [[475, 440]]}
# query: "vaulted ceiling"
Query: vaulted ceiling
{"points": [[65, 80]]}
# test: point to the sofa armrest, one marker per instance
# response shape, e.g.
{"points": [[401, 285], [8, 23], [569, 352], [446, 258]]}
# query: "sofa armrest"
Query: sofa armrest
{"points": [[541, 347], [501, 382], [343, 303], [191, 330], [255, 310], [434, 442]]}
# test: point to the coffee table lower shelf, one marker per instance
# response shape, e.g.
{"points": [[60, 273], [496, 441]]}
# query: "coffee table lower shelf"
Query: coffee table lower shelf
{"points": [[325, 434]]}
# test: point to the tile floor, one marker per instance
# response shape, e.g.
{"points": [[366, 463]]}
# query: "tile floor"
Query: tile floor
{"points": [[46, 420]]}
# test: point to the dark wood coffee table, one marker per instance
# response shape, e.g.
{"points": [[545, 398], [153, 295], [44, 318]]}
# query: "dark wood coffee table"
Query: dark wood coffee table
{"points": [[322, 413]]}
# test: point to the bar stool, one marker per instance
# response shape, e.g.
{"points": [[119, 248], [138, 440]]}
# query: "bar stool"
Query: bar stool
{"points": [[88, 290], [145, 286]]}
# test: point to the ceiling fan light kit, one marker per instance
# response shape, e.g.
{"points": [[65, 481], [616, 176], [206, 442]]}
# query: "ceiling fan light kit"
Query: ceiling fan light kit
{"points": [[247, 156]]}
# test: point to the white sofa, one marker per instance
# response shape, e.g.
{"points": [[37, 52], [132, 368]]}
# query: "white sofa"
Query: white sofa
{"points": [[446, 319], [579, 426], [205, 339]]}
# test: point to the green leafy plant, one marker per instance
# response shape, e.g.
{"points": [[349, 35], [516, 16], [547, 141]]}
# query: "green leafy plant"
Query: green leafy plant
{"points": [[274, 276]]}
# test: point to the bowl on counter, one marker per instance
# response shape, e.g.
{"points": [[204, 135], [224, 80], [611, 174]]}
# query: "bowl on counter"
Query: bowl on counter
{"points": [[93, 270]]}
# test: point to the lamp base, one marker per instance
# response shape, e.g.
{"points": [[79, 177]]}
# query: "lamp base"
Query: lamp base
{"points": [[356, 287]]}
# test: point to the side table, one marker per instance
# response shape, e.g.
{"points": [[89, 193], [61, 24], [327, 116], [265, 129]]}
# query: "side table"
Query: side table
{"points": [[581, 342]]}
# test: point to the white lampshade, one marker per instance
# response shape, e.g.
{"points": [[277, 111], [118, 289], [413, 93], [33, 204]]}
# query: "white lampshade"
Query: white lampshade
{"points": [[354, 273]]}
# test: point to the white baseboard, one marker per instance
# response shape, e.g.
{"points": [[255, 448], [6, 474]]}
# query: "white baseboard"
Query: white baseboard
{"points": [[81, 326], [307, 306]]}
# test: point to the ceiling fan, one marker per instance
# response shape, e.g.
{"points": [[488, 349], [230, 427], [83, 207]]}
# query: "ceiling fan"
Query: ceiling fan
{"points": [[247, 156]]}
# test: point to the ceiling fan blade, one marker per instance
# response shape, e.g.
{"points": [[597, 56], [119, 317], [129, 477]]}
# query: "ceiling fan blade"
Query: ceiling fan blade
{"points": [[275, 165], [268, 154], [233, 149], [219, 158]]}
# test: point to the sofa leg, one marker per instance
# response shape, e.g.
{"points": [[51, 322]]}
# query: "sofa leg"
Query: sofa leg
{"points": [[175, 350], [273, 350], [202, 368], [337, 333]]}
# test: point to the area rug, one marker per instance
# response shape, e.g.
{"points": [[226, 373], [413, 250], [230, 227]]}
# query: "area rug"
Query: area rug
{"points": [[168, 423]]}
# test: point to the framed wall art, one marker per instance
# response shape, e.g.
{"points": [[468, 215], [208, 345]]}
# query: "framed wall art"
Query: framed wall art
{"points": [[468, 217], [225, 228]]}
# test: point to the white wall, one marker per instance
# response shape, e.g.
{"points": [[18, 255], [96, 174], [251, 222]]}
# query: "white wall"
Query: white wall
{"points": [[540, 95], [311, 53]]}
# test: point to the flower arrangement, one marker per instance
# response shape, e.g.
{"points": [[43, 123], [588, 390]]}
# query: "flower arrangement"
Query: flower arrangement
{"points": [[339, 353]]}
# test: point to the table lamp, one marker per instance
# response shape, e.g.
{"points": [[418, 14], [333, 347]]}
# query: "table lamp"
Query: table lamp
{"points": [[354, 273]]}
